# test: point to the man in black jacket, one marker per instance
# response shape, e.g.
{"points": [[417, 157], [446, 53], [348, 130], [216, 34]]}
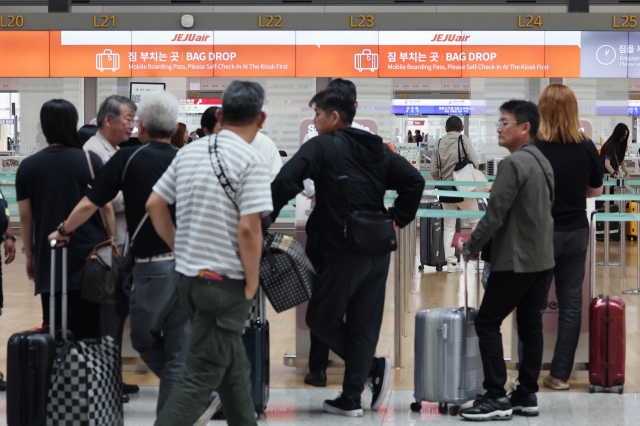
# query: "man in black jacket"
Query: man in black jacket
{"points": [[348, 282]]}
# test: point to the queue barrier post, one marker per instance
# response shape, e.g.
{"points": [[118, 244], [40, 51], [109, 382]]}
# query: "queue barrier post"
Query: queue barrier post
{"points": [[636, 291], [398, 295]]}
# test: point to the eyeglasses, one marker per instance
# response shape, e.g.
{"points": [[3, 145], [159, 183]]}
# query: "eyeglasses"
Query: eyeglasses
{"points": [[501, 124]]}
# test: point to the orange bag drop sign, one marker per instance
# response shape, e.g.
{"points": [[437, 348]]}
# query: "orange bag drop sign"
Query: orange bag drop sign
{"points": [[24, 53], [503, 54], [172, 54], [89, 53], [255, 53], [337, 54], [421, 54]]}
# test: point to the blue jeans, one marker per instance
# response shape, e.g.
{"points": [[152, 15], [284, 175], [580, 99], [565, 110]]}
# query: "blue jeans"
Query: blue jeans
{"points": [[160, 328], [570, 251]]}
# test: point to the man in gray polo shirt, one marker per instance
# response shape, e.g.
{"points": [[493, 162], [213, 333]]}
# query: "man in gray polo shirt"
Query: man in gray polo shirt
{"points": [[519, 222], [221, 189]]}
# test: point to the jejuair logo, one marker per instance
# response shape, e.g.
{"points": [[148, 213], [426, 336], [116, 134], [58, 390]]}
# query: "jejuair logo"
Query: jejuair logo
{"points": [[190, 37], [450, 37]]}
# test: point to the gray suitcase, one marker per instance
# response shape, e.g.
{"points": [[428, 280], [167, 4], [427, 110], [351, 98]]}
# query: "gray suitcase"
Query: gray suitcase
{"points": [[448, 367]]}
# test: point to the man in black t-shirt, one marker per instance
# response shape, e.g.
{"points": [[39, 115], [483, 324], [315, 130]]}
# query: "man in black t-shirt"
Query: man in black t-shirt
{"points": [[160, 328], [418, 138]]}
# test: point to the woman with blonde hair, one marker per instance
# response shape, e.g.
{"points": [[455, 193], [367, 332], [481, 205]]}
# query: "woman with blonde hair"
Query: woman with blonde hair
{"points": [[578, 175]]}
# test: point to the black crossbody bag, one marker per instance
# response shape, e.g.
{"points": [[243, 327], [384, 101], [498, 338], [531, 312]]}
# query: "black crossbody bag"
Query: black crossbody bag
{"points": [[364, 231]]}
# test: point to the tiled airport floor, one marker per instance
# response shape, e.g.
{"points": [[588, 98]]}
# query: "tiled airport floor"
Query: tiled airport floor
{"points": [[293, 402], [302, 407]]}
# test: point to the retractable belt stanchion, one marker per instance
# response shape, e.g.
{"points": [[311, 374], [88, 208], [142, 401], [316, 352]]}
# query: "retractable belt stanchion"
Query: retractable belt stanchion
{"points": [[623, 239], [398, 311], [636, 291], [592, 264], [607, 231], [409, 267]]}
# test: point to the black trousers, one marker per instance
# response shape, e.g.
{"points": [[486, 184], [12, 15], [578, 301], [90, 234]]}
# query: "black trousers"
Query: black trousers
{"points": [[570, 251], [352, 284], [83, 316], [318, 354], [506, 291]]}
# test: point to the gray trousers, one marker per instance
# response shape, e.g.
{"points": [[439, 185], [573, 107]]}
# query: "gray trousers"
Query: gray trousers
{"points": [[160, 328], [570, 250]]}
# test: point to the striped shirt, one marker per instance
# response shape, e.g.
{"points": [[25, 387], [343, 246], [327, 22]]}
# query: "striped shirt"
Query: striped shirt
{"points": [[206, 219]]}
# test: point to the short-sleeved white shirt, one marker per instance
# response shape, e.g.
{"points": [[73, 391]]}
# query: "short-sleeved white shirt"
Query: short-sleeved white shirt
{"points": [[206, 219]]}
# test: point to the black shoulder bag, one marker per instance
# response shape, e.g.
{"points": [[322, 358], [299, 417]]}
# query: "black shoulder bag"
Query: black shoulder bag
{"points": [[286, 274], [459, 165], [364, 231]]}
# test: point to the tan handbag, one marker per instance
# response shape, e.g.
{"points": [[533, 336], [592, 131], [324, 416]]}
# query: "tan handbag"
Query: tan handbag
{"points": [[102, 280]]}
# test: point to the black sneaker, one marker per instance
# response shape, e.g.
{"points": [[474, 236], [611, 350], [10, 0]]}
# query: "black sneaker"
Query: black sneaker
{"points": [[130, 389], [343, 406], [378, 380], [316, 378], [524, 404], [209, 410], [486, 408]]}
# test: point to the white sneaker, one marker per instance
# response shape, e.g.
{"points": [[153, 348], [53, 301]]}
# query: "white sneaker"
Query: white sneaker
{"points": [[453, 267], [209, 410]]}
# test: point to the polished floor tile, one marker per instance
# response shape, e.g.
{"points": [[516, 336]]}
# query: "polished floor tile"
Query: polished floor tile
{"points": [[303, 407]]}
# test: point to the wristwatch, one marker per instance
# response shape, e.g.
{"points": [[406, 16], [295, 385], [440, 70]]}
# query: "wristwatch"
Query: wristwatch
{"points": [[62, 231], [8, 237]]}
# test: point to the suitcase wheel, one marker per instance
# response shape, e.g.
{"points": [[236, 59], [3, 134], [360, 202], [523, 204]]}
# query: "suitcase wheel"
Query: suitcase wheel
{"points": [[454, 410], [442, 408], [439, 268], [421, 267], [592, 388], [416, 407], [620, 389]]}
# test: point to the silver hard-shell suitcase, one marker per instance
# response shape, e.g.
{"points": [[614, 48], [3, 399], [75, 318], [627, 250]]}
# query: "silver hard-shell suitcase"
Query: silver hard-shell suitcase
{"points": [[448, 367]]}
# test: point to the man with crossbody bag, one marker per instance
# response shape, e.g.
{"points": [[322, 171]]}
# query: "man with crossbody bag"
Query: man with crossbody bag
{"points": [[220, 186], [160, 328], [444, 160], [352, 169]]}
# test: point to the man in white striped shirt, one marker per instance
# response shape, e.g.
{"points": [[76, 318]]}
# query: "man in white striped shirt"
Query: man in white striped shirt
{"points": [[221, 189]]}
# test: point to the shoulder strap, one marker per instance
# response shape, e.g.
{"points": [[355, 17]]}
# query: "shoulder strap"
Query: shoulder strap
{"points": [[219, 171], [144, 218], [461, 142], [439, 159], [126, 166], [544, 173], [342, 177], [103, 219]]}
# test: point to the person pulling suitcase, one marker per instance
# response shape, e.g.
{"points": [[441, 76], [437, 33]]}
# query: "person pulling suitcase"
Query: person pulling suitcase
{"points": [[518, 221]]}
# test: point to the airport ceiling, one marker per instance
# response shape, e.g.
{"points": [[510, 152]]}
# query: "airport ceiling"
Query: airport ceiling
{"points": [[178, 3]]}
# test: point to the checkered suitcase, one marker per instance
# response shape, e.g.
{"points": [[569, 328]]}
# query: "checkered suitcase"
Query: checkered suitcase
{"points": [[86, 384]]}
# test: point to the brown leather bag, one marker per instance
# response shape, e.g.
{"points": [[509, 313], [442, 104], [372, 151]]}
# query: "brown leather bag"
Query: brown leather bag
{"points": [[102, 280]]}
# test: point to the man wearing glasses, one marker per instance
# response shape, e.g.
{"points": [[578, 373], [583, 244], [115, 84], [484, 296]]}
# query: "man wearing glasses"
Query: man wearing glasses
{"points": [[518, 221]]}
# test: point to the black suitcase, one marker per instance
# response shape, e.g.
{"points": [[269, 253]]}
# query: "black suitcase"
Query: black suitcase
{"points": [[30, 357], [256, 343], [431, 239], [614, 227]]}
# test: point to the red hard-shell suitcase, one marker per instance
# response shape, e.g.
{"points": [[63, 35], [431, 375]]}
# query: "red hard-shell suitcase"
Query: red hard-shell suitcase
{"points": [[30, 357], [607, 343]]}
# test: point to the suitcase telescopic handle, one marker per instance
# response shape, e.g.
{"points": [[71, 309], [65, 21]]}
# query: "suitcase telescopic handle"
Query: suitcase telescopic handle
{"points": [[52, 292], [466, 288]]}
